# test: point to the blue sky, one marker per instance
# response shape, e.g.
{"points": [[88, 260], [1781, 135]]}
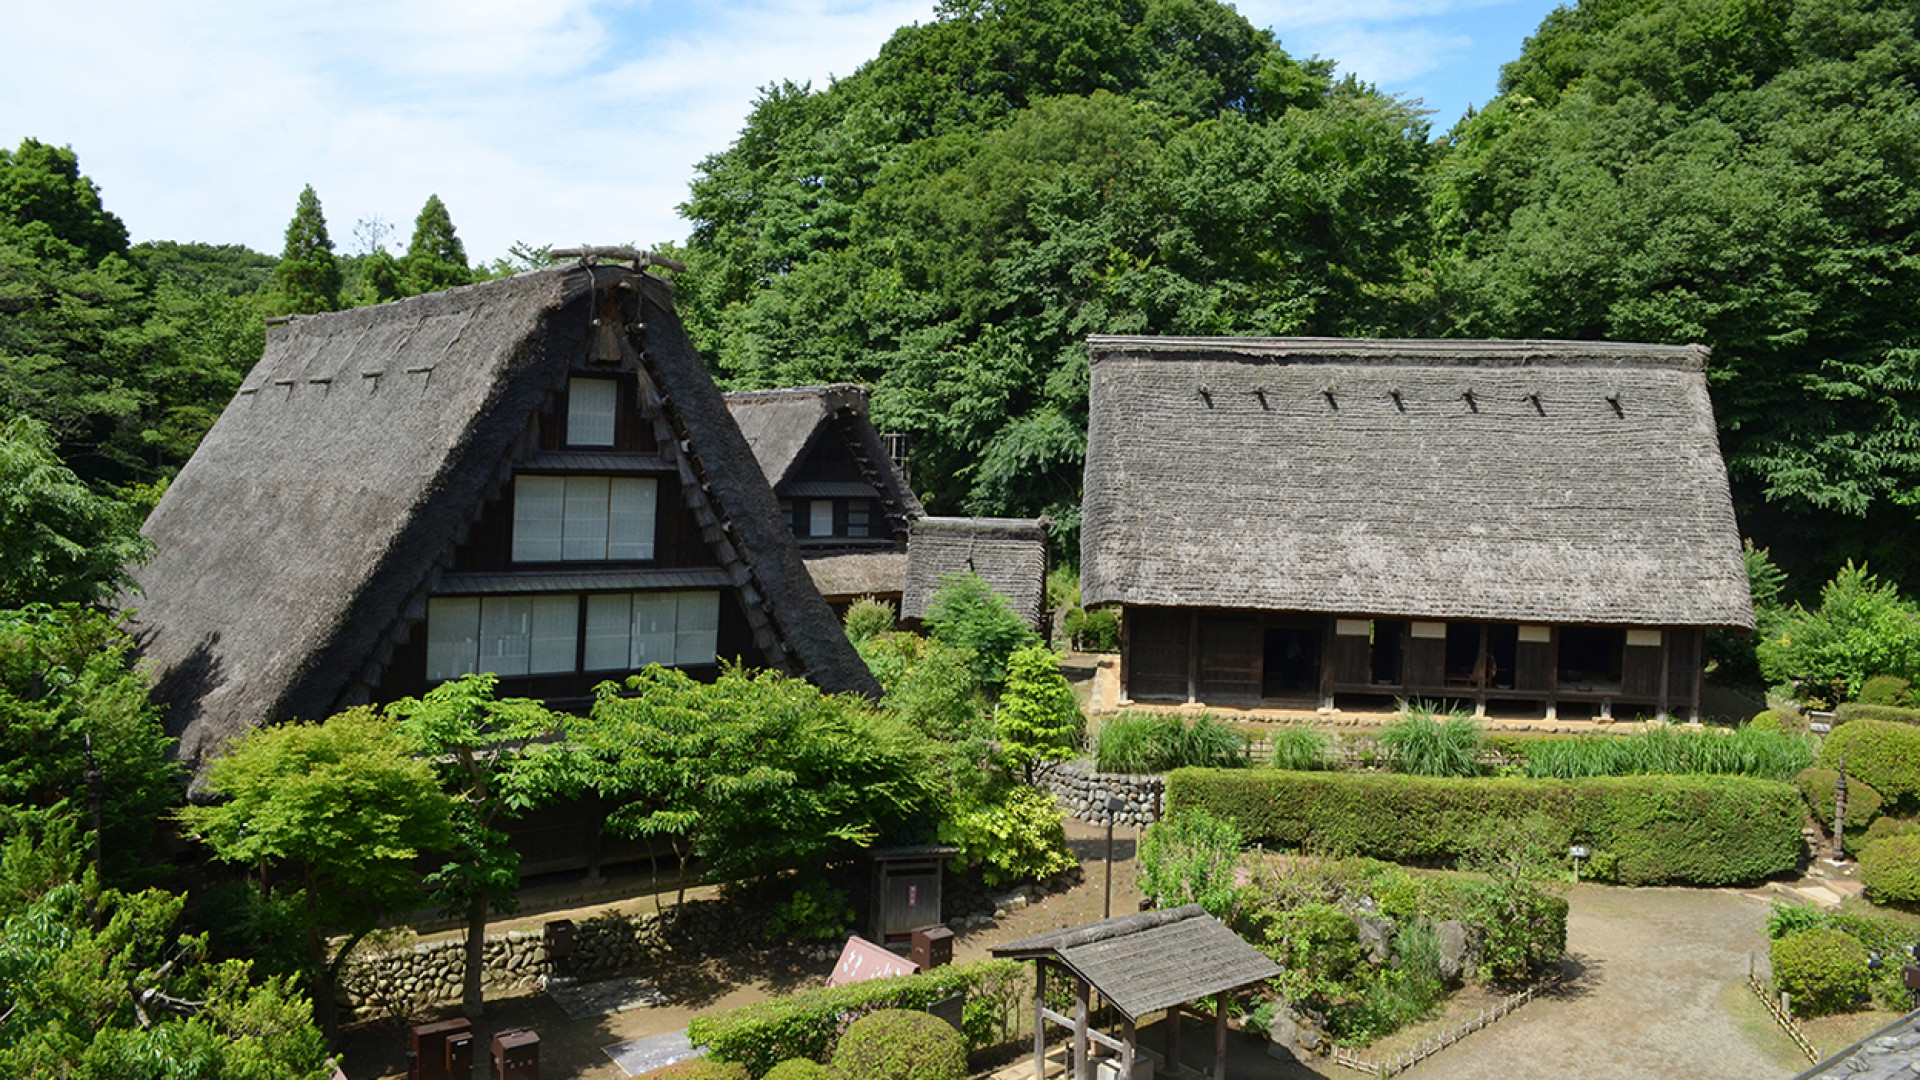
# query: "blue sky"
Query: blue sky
{"points": [[559, 121]]}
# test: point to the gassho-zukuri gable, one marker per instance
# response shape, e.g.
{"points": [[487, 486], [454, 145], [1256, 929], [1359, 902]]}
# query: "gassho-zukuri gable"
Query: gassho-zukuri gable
{"points": [[1306, 521], [533, 476]]}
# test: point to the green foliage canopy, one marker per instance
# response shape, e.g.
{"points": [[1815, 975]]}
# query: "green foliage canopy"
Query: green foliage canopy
{"points": [[1863, 627], [435, 258], [59, 541], [308, 274]]}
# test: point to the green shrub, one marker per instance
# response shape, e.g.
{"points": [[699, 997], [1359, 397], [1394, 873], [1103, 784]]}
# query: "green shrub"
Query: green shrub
{"points": [[1862, 627], [1701, 830], [1419, 743], [801, 1069], [900, 1044], [1890, 869], [1189, 858], [1038, 719], [867, 619], [807, 1024], [1886, 756], [967, 614], [1863, 803], [1891, 826], [1822, 971], [1012, 832], [1142, 742], [936, 692], [1885, 690], [1877, 934], [1773, 720], [1300, 749], [697, 1069], [817, 912], [1892, 714], [1093, 631], [1664, 750]]}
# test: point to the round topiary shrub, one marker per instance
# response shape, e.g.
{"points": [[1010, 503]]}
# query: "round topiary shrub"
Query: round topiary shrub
{"points": [[1776, 720], [1885, 755], [1823, 971], [800, 1069], [1863, 803], [1890, 869], [698, 1069], [1891, 826], [900, 1044]]}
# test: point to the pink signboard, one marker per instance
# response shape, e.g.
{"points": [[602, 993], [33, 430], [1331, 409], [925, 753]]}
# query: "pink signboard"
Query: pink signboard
{"points": [[862, 960]]}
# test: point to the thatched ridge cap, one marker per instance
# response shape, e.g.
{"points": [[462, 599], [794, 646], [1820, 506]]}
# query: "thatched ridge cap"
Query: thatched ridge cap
{"points": [[1003, 528], [1403, 352]]}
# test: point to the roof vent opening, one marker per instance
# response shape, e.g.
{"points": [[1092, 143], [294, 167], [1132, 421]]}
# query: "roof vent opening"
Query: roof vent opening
{"points": [[1399, 402], [1613, 399], [1260, 393], [1534, 397], [1329, 392], [1467, 396], [1206, 395]]}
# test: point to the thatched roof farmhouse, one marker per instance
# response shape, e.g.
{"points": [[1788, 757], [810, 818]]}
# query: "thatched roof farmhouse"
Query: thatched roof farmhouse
{"points": [[843, 496], [533, 476], [1009, 554], [1301, 521]]}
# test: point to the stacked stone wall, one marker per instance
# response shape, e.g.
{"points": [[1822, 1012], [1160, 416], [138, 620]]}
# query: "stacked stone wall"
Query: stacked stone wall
{"points": [[1083, 793]]}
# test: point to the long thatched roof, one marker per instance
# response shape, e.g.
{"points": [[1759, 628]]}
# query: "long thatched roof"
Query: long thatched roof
{"points": [[299, 544], [1532, 481], [1009, 554]]}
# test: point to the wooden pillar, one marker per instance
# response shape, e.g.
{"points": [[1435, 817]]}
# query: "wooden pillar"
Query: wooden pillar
{"points": [[1666, 672], [1128, 1036], [1082, 1066], [1553, 673], [1327, 635], [1173, 1038], [1220, 1037], [1126, 654], [1699, 674], [1193, 657], [1039, 1020], [1483, 678]]}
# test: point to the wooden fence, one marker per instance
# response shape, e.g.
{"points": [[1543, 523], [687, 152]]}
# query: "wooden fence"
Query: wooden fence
{"points": [[1401, 1062], [1781, 1008]]}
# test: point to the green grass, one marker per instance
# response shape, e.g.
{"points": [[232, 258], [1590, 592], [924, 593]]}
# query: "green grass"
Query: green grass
{"points": [[1302, 749], [1769, 755], [1420, 743], [1139, 742]]}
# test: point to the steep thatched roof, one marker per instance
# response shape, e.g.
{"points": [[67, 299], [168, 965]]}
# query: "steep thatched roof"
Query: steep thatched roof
{"points": [[859, 573], [299, 544], [1534, 481], [1009, 554], [1153, 960], [784, 425]]}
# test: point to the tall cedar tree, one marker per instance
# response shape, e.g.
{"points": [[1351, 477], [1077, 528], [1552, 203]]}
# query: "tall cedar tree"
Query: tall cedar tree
{"points": [[435, 257], [308, 274]]}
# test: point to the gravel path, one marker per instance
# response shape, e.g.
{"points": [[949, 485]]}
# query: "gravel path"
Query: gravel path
{"points": [[1657, 992]]}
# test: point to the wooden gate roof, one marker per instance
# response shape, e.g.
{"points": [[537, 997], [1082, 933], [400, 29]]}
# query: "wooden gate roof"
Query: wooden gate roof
{"points": [[1151, 961]]}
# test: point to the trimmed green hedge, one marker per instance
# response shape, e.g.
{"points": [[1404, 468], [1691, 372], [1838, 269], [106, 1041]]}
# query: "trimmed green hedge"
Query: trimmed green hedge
{"points": [[697, 1069], [801, 1069], [1885, 755], [1890, 869], [898, 1044], [806, 1025], [1822, 971], [1643, 830], [1860, 710]]}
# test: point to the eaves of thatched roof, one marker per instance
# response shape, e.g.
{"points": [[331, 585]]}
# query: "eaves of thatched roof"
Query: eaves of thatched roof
{"points": [[1535, 481], [299, 544], [783, 426], [1009, 554]]}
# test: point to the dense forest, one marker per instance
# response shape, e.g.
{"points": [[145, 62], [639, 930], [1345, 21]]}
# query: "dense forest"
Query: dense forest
{"points": [[949, 222]]}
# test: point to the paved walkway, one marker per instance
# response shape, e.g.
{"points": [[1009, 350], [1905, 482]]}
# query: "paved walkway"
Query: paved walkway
{"points": [[1659, 978]]}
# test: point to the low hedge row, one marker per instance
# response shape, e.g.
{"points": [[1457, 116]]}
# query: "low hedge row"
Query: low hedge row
{"points": [[1890, 869], [1860, 710], [1642, 830], [1885, 755], [806, 1025]]}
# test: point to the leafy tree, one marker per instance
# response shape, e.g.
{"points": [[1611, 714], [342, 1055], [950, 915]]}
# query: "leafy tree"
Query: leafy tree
{"points": [[1862, 628], [308, 274], [227, 269], [336, 813], [965, 613], [1738, 174], [1038, 719], [435, 257], [492, 760], [70, 702], [42, 185], [59, 541], [1190, 857]]}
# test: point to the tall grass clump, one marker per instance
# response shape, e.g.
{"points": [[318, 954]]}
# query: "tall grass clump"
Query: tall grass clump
{"points": [[1134, 742], [1301, 749], [1420, 743], [1747, 751]]}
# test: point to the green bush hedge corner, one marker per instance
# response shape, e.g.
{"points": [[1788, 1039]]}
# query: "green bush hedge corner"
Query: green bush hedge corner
{"points": [[806, 1025], [1886, 690], [1860, 710], [698, 1069], [1822, 971], [900, 1044], [1643, 830], [801, 1069], [1863, 803], [1886, 755], [1890, 869]]}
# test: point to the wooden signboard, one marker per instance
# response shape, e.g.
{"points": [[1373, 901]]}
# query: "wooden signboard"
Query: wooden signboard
{"points": [[862, 960]]}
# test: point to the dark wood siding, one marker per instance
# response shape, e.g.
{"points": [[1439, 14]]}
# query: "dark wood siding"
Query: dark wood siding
{"points": [[1156, 654], [1683, 666], [1351, 659], [1230, 655], [1640, 672], [1534, 666], [1426, 663]]}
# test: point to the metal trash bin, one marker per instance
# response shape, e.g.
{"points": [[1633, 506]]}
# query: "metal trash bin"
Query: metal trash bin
{"points": [[560, 946], [516, 1055], [430, 1046], [931, 947]]}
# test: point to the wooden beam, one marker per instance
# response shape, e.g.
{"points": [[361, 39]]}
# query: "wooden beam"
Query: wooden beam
{"points": [[1039, 1020], [1128, 1036], [1082, 1067], [1699, 673], [1220, 1037], [1173, 1038], [1193, 657], [1666, 672]]}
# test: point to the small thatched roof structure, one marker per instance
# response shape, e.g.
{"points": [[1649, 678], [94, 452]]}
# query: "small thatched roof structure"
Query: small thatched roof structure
{"points": [[783, 426], [861, 573], [1529, 481], [1009, 554], [1151, 961], [301, 542]]}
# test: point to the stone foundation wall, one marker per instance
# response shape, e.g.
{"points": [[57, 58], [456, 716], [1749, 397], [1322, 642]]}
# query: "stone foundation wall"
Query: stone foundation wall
{"points": [[1083, 793]]}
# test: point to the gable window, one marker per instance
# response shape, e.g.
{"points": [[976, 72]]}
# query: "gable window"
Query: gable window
{"points": [[505, 635], [631, 630], [560, 518], [820, 517], [857, 518], [591, 406]]}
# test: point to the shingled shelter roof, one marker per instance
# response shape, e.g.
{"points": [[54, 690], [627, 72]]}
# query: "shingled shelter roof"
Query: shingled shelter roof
{"points": [[1153, 960], [1009, 554], [300, 543], [783, 425], [1531, 481]]}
